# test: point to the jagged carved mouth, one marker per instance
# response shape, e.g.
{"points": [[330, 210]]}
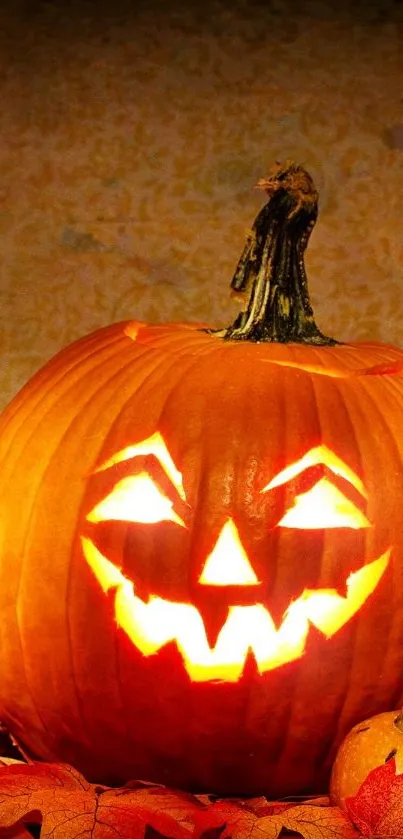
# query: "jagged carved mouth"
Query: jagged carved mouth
{"points": [[248, 629]]}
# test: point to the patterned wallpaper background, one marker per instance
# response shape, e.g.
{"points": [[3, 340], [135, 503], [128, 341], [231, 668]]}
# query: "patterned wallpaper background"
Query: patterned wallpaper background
{"points": [[132, 133]]}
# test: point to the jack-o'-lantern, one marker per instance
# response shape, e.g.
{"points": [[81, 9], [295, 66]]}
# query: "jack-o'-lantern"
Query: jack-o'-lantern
{"points": [[201, 558]]}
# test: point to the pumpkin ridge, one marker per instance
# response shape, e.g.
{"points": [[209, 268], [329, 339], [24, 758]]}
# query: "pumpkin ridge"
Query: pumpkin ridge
{"points": [[43, 383], [299, 684], [329, 742], [75, 539], [71, 386], [156, 359], [123, 368], [356, 649], [396, 457], [169, 363]]}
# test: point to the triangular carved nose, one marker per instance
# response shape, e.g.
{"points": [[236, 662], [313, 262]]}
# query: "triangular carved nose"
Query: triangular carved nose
{"points": [[228, 564]]}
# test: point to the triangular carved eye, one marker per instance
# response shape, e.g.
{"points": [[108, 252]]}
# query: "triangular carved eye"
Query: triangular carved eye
{"points": [[321, 507], [154, 445], [324, 504], [135, 498], [318, 456]]}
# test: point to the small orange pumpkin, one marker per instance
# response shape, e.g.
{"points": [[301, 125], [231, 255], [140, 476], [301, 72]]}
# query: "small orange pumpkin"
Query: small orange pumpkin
{"points": [[201, 556], [368, 745]]}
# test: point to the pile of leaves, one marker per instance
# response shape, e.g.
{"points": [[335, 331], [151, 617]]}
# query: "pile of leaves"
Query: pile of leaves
{"points": [[53, 801]]}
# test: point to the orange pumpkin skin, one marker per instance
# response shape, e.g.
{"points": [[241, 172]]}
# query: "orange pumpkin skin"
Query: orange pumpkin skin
{"points": [[73, 687], [233, 415], [368, 745]]}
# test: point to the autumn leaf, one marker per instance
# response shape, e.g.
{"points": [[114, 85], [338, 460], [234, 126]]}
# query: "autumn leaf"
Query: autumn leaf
{"points": [[377, 808], [262, 807], [56, 798], [305, 820], [68, 807]]}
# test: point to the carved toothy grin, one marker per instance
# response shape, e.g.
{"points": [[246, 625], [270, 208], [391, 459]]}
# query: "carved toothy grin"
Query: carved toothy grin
{"points": [[152, 625]]}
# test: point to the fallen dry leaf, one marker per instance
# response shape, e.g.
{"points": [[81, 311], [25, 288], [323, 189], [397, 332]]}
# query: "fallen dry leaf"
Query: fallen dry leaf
{"points": [[262, 807], [305, 820], [56, 798], [377, 808], [68, 807]]}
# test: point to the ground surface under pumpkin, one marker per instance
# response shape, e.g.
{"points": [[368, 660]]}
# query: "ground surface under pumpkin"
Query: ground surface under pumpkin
{"points": [[46, 800]]}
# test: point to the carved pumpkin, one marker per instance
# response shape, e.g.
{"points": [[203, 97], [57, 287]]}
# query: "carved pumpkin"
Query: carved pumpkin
{"points": [[368, 745], [201, 557]]}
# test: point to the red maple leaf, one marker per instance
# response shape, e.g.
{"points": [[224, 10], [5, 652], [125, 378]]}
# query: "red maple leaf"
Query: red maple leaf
{"points": [[68, 807], [237, 820], [63, 805], [377, 808]]}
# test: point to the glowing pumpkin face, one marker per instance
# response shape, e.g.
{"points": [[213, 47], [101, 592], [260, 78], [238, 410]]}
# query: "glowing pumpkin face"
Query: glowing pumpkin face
{"points": [[152, 622], [201, 551], [190, 578]]}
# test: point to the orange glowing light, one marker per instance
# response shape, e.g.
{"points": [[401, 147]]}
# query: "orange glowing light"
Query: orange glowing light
{"points": [[320, 455], [323, 506], [153, 624], [228, 563], [153, 445], [135, 498]]}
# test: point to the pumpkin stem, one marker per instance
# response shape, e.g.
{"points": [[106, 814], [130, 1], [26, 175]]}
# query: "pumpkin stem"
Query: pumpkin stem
{"points": [[398, 721], [271, 270]]}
